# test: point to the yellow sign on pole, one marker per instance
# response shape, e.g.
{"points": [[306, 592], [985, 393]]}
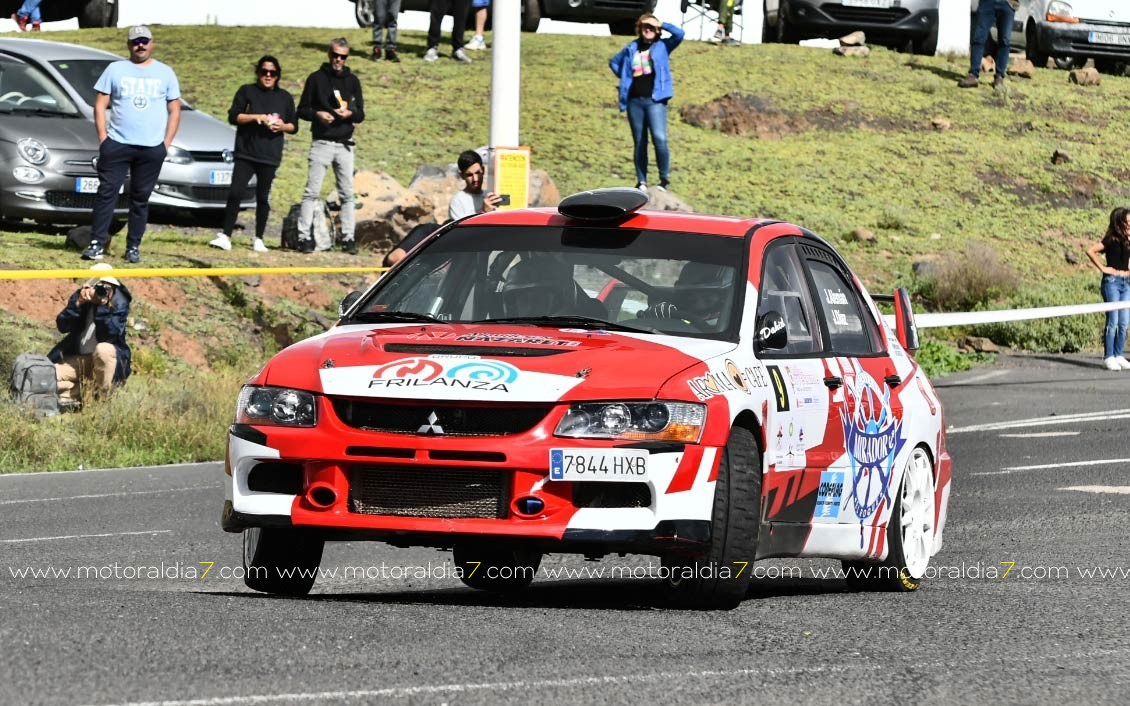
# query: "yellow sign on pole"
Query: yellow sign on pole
{"points": [[512, 175]]}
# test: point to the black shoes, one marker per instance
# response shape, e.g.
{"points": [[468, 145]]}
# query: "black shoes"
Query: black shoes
{"points": [[306, 245], [390, 55], [376, 55], [349, 246]]}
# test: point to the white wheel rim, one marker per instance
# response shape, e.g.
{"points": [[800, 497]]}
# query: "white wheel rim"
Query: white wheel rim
{"points": [[917, 505]]}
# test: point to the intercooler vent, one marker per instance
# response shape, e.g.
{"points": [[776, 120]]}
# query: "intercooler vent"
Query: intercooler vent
{"points": [[428, 492]]}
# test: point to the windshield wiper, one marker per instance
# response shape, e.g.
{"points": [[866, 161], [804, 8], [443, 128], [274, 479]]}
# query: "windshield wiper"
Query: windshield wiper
{"points": [[570, 321], [43, 111], [375, 317]]}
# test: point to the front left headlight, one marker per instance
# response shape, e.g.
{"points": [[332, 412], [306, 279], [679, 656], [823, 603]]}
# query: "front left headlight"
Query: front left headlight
{"points": [[33, 150], [276, 406], [636, 421], [178, 155]]}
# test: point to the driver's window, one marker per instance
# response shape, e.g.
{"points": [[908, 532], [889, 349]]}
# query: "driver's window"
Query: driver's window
{"points": [[783, 290]]}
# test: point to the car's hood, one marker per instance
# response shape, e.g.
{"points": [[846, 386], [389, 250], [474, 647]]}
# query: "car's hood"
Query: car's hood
{"points": [[55, 132], [201, 132], [1100, 10], [476, 362]]}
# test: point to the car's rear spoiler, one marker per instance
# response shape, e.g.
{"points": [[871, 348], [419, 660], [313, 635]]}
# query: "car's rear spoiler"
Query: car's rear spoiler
{"points": [[905, 328]]}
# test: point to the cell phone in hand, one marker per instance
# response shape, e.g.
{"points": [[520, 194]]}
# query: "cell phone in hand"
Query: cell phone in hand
{"points": [[504, 199]]}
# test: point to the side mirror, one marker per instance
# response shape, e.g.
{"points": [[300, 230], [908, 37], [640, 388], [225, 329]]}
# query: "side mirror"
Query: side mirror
{"points": [[347, 303], [905, 327], [771, 332]]}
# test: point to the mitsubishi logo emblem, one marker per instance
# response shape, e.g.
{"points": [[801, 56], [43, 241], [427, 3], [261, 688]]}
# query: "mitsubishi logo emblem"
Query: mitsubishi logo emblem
{"points": [[431, 427]]}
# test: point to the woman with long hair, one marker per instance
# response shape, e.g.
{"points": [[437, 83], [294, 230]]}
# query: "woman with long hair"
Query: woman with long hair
{"points": [[644, 70], [262, 113], [1115, 285]]}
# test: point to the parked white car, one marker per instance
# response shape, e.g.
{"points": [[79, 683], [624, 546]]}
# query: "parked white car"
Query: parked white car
{"points": [[1072, 31]]}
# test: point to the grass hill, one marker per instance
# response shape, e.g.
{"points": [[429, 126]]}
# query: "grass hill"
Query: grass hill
{"points": [[832, 143]]}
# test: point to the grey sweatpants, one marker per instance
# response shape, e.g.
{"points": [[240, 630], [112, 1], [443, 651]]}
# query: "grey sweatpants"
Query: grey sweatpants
{"points": [[324, 154]]}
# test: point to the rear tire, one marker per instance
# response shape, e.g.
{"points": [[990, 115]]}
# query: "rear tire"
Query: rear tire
{"points": [[733, 534], [281, 560], [1032, 49], [531, 15], [98, 13], [496, 569], [910, 535], [786, 33]]}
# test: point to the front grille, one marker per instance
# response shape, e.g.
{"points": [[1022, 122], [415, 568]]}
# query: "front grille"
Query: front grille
{"points": [[496, 351], [455, 420], [870, 15], [428, 492], [208, 156], [275, 477], [72, 199]]}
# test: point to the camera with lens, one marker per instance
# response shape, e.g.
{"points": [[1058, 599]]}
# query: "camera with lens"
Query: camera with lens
{"points": [[101, 291]]}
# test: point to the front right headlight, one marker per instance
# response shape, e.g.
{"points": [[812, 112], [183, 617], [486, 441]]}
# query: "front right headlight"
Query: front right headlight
{"points": [[279, 406], [178, 155], [33, 150]]}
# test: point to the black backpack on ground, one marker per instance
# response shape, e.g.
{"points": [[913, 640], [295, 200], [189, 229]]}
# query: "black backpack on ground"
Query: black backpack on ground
{"points": [[34, 384], [324, 227]]}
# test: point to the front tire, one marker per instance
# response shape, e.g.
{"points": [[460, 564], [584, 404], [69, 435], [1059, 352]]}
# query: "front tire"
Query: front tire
{"points": [[496, 569], [698, 582], [281, 560], [531, 15], [98, 13], [927, 45], [910, 535], [363, 12], [1032, 49], [786, 33]]}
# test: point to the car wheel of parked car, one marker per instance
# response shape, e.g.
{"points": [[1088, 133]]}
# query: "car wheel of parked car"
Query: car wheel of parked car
{"points": [[623, 27], [531, 15], [98, 13], [786, 33], [1032, 49], [927, 45], [910, 535], [363, 12], [1110, 66], [281, 560], [496, 569], [720, 578]]}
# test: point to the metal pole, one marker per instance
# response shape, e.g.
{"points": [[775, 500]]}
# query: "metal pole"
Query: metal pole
{"points": [[505, 76]]}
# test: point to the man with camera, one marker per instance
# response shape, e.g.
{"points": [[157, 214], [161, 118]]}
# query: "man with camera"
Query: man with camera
{"points": [[95, 347], [472, 199]]}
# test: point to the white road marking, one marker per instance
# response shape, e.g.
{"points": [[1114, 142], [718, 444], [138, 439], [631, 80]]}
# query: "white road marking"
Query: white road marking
{"points": [[1113, 489], [1045, 466], [167, 466], [1040, 435], [82, 536], [597, 681], [978, 378], [1045, 421], [109, 495]]}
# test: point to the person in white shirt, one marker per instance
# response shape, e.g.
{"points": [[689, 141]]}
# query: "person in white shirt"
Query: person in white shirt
{"points": [[472, 199]]}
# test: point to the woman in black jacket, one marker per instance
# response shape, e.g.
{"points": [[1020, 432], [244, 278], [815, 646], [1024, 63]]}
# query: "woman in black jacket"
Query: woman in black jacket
{"points": [[262, 112]]}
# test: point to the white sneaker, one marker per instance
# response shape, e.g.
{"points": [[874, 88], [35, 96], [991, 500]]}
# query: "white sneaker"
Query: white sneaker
{"points": [[221, 241], [1122, 362], [432, 54], [259, 245], [642, 186], [461, 56], [1111, 363], [477, 43]]}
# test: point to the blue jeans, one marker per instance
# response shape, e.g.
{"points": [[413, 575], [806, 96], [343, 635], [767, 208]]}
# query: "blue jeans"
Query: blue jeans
{"points": [[646, 115], [30, 9], [1115, 289], [988, 12]]}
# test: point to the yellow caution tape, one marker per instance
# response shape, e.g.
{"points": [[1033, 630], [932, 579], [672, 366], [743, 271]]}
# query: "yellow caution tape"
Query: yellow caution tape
{"points": [[180, 272]]}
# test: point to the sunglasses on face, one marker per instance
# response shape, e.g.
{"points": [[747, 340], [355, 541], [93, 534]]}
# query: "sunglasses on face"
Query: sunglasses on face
{"points": [[268, 72], [335, 55], [139, 42]]}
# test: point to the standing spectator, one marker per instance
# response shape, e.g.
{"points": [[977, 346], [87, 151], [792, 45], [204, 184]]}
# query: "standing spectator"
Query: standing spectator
{"points": [[472, 199], [1115, 286], [95, 347], [644, 70], [384, 23], [725, 24], [458, 9], [478, 42], [1000, 12], [143, 97], [262, 112], [29, 11], [332, 102]]}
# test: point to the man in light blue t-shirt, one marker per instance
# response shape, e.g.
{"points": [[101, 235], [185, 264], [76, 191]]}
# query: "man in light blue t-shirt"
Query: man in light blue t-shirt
{"points": [[143, 99]]}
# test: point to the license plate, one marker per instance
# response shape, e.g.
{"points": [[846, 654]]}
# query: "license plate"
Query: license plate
{"points": [[219, 177], [1109, 38], [868, 3], [598, 464], [86, 185]]}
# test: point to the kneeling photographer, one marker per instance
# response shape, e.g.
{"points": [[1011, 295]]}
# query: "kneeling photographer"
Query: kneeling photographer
{"points": [[95, 347]]}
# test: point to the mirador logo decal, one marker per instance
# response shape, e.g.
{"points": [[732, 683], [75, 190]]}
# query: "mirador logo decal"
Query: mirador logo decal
{"points": [[873, 439]]}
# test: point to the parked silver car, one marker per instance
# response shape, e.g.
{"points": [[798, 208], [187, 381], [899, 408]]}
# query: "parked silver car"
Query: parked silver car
{"points": [[48, 143], [903, 24], [1073, 31]]}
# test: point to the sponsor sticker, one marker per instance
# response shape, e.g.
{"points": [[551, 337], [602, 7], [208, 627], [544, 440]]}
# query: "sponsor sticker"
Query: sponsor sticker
{"points": [[828, 496]]}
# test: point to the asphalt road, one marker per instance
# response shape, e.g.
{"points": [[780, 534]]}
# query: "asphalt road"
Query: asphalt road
{"points": [[1045, 633]]}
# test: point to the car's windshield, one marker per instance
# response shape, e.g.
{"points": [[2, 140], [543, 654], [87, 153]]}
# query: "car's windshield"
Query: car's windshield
{"points": [[590, 277], [25, 88], [82, 74]]}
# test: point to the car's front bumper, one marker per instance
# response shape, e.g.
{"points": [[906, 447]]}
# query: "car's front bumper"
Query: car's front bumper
{"points": [[832, 19], [56, 198], [1062, 39], [194, 187]]}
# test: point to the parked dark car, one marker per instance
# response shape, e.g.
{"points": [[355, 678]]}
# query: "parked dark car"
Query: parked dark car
{"points": [[910, 25], [619, 15], [90, 13]]}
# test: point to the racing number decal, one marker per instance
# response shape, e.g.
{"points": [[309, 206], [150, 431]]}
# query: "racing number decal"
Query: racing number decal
{"points": [[782, 392]]}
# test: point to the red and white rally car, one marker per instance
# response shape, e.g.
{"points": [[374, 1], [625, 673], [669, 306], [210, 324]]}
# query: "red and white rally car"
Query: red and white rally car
{"points": [[600, 379]]}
